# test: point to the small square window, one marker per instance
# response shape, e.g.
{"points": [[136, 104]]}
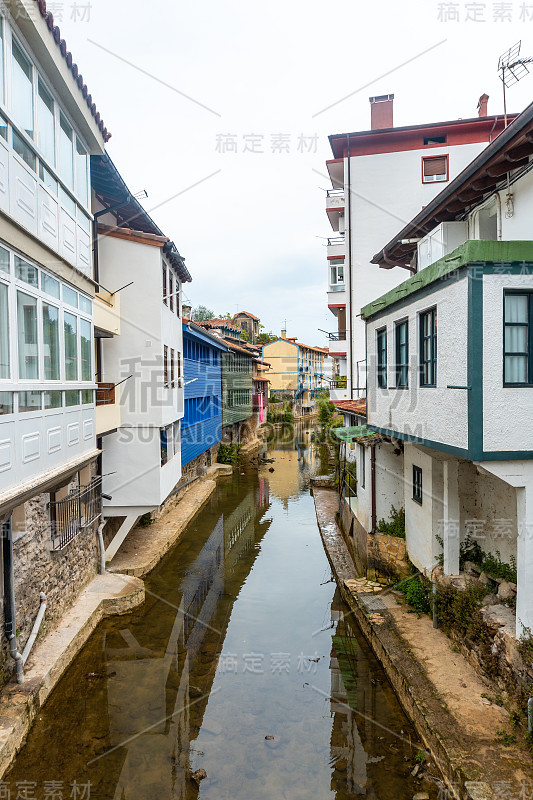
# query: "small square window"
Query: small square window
{"points": [[434, 169], [417, 484]]}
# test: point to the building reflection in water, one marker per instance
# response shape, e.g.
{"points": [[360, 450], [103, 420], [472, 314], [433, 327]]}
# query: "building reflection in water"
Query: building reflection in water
{"points": [[165, 693]]}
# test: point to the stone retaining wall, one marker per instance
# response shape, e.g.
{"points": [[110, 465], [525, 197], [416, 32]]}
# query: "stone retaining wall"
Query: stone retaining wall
{"points": [[387, 555], [61, 575]]}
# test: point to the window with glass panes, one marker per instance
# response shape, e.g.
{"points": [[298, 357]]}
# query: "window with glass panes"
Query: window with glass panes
{"points": [[518, 338], [336, 271], [428, 348], [381, 344], [417, 484], [402, 354]]}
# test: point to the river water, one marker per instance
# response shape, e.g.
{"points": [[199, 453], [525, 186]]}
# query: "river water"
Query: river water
{"points": [[242, 637]]}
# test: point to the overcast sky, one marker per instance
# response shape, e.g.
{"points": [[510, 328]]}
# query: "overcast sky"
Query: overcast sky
{"points": [[252, 225]]}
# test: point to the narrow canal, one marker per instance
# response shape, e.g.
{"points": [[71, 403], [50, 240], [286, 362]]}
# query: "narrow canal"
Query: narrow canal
{"points": [[243, 662]]}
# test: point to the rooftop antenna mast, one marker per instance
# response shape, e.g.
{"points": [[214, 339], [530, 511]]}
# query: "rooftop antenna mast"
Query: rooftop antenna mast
{"points": [[511, 69]]}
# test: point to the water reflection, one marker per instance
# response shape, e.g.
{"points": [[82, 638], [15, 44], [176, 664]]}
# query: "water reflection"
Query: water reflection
{"points": [[150, 697]]}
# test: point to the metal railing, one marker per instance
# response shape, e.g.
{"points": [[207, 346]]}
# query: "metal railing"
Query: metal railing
{"points": [[335, 192], [337, 337], [333, 240], [70, 516], [348, 485]]}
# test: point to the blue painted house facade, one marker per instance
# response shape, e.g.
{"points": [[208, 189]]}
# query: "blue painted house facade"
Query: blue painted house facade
{"points": [[201, 426]]}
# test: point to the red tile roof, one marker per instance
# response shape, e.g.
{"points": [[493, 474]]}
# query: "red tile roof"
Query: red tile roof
{"points": [[311, 347], [219, 323], [352, 406], [235, 346], [67, 55]]}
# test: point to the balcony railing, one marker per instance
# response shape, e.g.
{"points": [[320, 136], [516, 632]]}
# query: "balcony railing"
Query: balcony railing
{"points": [[105, 394], [70, 516], [336, 192], [333, 240], [337, 383]]}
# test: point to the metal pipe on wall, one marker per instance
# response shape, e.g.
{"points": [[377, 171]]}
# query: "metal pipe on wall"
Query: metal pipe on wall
{"points": [[10, 623]]}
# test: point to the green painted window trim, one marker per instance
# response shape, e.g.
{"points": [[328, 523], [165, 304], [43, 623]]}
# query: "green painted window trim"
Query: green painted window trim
{"points": [[402, 358], [381, 360], [431, 339], [529, 325]]}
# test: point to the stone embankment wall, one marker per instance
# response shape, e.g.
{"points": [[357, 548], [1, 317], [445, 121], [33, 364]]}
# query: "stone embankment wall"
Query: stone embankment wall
{"points": [[387, 555], [61, 575]]}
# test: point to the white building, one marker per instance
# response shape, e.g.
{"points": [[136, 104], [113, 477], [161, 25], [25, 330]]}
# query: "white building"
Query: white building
{"points": [[49, 491], [139, 354], [450, 406], [380, 179]]}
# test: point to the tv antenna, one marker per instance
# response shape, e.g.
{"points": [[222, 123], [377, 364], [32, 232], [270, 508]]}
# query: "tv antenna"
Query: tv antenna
{"points": [[511, 69]]}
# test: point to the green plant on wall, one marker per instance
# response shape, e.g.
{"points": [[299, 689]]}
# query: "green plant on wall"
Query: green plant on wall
{"points": [[228, 454], [396, 525]]}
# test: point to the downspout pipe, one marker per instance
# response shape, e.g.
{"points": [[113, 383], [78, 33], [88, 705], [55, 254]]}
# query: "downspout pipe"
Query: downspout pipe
{"points": [[348, 202], [102, 547], [10, 623], [373, 486]]}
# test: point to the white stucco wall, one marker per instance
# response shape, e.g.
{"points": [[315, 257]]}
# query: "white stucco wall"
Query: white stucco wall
{"points": [[507, 412], [421, 520], [518, 226], [434, 413], [134, 452], [387, 191], [389, 481], [488, 510], [363, 506], [146, 326]]}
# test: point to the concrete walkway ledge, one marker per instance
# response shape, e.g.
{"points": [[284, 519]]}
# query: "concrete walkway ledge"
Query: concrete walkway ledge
{"points": [[106, 595]]}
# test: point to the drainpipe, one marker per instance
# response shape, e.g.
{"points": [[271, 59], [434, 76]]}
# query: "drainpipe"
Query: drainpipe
{"points": [[373, 486], [102, 548], [10, 623], [348, 202], [35, 629], [530, 714]]}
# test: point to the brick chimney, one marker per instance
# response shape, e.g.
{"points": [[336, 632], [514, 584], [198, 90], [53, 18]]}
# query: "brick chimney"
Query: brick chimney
{"points": [[283, 334], [482, 105], [381, 112]]}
